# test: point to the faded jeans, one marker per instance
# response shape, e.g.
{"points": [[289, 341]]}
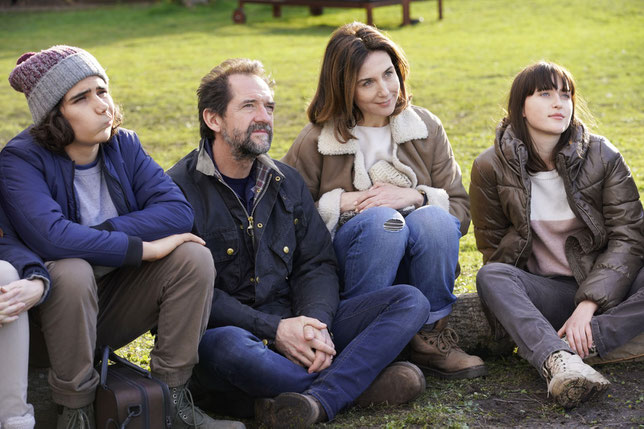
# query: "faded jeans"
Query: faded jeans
{"points": [[368, 332], [379, 248], [533, 308]]}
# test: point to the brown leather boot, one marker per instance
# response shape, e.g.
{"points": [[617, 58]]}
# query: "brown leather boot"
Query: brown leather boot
{"points": [[436, 352], [397, 384]]}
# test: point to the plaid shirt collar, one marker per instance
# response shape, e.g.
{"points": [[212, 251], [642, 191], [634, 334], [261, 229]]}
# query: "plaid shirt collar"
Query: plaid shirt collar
{"points": [[206, 165]]}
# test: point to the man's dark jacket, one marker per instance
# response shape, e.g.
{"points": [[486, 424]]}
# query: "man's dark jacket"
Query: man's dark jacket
{"points": [[282, 266]]}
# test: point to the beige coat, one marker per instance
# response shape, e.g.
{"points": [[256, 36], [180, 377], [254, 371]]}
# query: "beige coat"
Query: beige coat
{"points": [[422, 159], [605, 256]]}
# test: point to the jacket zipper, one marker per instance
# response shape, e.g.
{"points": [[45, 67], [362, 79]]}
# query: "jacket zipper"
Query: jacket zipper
{"points": [[528, 192], [250, 229]]}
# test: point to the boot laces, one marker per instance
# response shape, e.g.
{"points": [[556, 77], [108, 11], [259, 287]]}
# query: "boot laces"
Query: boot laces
{"points": [[446, 339], [78, 419], [186, 407]]}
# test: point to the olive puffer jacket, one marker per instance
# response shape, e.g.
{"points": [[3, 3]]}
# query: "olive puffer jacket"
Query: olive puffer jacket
{"points": [[605, 256]]}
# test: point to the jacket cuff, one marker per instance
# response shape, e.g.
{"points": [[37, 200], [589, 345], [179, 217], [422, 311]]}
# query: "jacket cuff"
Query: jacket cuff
{"points": [[329, 208], [105, 226], [32, 273], [134, 253], [435, 196], [267, 326]]}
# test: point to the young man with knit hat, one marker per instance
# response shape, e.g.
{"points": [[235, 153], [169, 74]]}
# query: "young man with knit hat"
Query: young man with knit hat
{"points": [[113, 230]]}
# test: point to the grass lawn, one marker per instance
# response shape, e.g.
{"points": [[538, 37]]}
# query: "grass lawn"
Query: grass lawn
{"points": [[461, 66]]}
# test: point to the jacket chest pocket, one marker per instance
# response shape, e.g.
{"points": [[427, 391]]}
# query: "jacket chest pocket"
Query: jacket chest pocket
{"points": [[224, 245]]}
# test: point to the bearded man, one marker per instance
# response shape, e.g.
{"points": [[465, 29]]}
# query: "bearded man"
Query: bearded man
{"points": [[279, 339]]}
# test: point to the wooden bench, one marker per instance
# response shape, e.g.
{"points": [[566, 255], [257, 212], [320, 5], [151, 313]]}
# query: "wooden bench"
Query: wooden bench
{"points": [[316, 7]]}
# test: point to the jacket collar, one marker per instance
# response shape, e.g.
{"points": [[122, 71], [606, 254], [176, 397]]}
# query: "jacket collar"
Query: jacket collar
{"points": [[405, 126], [205, 164], [515, 153]]}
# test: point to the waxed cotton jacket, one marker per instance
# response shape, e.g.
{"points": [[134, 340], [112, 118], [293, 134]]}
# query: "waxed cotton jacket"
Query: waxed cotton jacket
{"points": [[281, 251], [37, 192], [605, 256]]}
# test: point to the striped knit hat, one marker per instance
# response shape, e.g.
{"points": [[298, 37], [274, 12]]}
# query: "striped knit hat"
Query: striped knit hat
{"points": [[45, 77]]}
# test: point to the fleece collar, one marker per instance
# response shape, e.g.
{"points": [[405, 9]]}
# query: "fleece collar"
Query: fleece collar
{"points": [[405, 126]]}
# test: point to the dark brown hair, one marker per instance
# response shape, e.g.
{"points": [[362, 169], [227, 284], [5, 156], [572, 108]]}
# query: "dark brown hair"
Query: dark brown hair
{"points": [[214, 91], [345, 53], [55, 132], [541, 76]]}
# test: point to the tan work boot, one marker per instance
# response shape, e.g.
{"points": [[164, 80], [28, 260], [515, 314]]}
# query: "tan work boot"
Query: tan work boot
{"points": [[397, 384], [436, 352], [570, 380]]}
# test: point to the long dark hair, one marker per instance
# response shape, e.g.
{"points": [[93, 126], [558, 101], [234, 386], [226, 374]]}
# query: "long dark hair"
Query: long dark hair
{"points": [[541, 76], [55, 132], [345, 53]]}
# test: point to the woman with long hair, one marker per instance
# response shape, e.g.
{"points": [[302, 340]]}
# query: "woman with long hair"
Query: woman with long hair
{"points": [[558, 219], [386, 183]]}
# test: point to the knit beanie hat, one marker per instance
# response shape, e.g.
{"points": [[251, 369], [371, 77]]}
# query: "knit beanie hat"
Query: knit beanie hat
{"points": [[45, 77]]}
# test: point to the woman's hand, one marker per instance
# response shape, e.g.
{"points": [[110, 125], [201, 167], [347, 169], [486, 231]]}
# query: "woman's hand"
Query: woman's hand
{"points": [[349, 200], [387, 195], [19, 296], [157, 249], [577, 328]]}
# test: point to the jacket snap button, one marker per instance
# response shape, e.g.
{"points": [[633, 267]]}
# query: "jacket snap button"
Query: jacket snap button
{"points": [[286, 249], [278, 178], [295, 221], [230, 251], [260, 225]]}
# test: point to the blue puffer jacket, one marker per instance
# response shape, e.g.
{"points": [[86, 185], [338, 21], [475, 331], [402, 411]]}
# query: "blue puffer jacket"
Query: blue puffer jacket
{"points": [[37, 192], [285, 268]]}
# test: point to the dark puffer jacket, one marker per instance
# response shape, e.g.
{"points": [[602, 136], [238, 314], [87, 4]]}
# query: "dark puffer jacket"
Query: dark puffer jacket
{"points": [[605, 256]]}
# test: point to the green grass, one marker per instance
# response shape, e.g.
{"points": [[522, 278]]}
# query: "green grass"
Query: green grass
{"points": [[461, 66]]}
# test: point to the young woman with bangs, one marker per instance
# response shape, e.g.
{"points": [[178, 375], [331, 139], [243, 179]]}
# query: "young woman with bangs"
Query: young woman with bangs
{"points": [[558, 219], [386, 183]]}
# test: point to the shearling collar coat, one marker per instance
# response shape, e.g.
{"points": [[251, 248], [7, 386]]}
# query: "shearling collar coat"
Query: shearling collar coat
{"points": [[422, 159], [605, 256]]}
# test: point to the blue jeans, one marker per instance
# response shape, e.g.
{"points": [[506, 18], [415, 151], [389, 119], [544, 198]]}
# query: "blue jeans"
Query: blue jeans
{"points": [[379, 248], [369, 331]]}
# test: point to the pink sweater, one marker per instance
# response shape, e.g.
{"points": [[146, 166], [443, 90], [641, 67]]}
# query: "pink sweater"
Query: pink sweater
{"points": [[552, 221]]}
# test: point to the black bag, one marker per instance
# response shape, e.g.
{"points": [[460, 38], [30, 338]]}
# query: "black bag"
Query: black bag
{"points": [[129, 397]]}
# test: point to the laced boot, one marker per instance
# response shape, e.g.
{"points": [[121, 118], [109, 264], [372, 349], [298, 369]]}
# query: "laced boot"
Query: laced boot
{"points": [[436, 352], [570, 380], [76, 418], [397, 384], [185, 414], [289, 410]]}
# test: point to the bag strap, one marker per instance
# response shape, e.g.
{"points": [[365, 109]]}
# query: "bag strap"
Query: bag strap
{"points": [[109, 355]]}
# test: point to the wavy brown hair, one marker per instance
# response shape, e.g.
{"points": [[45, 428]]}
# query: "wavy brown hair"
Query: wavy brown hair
{"points": [[55, 132], [214, 91], [541, 76], [345, 53]]}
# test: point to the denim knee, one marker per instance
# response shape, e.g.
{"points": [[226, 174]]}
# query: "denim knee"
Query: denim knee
{"points": [[225, 346], [380, 219], [411, 298], [434, 223]]}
